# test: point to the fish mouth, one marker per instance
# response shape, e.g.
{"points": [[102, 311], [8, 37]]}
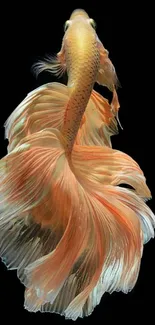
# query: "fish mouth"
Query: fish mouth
{"points": [[79, 12]]}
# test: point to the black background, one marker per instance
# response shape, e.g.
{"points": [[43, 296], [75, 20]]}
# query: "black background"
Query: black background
{"points": [[29, 33]]}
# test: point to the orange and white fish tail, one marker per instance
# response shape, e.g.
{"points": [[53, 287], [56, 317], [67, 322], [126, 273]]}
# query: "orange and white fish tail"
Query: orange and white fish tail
{"points": [[67, 227]]}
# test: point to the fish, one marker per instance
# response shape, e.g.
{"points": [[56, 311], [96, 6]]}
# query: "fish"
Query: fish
{"points": [[67, 227]]}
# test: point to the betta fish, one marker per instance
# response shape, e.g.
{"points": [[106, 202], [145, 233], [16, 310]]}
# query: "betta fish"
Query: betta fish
{"points": [[67, 227]]}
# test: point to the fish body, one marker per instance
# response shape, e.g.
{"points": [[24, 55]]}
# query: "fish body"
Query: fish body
{"points": [[67, 227], [82, 59]]}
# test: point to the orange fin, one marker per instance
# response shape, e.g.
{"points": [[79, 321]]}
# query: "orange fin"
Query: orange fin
{"points": [[73, 233], [99, 121], [115, 107], [53, 64], [107, 74], [45, 106], [109, 211]]}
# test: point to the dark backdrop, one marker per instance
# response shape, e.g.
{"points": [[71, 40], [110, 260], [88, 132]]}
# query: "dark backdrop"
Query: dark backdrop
{"points": [[28, 34]]}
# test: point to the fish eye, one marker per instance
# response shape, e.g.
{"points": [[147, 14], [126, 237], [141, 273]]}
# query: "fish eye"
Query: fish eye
{"points": [[93, 23], [66, 25]]}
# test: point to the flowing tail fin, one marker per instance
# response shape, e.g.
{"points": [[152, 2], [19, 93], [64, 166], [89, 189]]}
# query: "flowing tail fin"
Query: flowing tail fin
{"points": [[67, 227], [45, 108]]}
